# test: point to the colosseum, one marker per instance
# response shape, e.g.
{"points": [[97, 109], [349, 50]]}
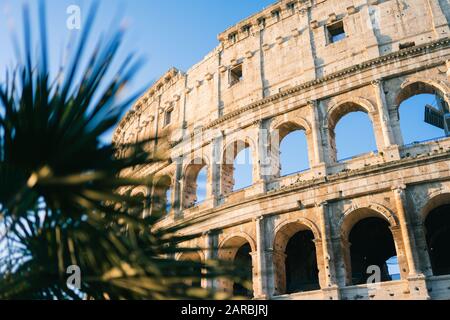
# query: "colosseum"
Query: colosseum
{"points": [[325, 232]]}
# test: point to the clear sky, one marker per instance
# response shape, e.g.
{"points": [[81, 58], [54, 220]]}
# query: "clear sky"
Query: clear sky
{"points": [[168, 33], [180, 33]]}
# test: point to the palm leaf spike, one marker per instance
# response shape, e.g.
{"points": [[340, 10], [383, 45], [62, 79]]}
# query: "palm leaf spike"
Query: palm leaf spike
{"points": [[58, 185]]}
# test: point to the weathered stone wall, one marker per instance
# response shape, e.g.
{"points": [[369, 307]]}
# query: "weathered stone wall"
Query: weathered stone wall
{"points": [[294, 78]]}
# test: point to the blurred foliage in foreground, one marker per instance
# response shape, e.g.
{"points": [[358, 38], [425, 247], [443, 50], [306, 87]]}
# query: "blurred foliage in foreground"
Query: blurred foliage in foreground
{"points": [[58, 185]]}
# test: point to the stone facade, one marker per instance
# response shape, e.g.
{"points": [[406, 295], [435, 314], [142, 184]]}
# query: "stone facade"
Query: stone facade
{"points": [[283, 70]]}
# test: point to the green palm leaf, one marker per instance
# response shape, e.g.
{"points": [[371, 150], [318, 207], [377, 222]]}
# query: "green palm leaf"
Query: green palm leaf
{"points": [[59, 198]]}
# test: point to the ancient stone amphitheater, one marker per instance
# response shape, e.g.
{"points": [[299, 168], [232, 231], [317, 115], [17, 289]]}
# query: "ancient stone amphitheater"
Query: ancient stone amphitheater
{"points": [[324, 233]]}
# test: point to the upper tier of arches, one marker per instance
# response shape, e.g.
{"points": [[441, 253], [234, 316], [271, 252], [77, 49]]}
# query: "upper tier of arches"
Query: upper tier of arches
{"points": [[319, 123]]}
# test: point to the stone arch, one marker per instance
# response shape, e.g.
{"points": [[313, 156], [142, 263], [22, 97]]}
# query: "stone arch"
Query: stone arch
{"points": [[192, 266], [144, 193], [195, 159], [230, 250], [355, 217], [232, 242], [229, 154], [280, 128], [436, 224], [434, 199], [345, 106], [140, 190], [191, 171], [296, 124], [190, 256], [359, 211], [162, 184], [238, 142], [414, 86], [340, 109], [288, 228], [297, 256]]}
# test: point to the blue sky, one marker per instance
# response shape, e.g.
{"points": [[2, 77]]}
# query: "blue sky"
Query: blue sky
{"points": [[167, 33], [180, 33]]}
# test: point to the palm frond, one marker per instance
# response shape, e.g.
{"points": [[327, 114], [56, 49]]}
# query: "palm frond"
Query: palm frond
{"points": [[59, 198]]}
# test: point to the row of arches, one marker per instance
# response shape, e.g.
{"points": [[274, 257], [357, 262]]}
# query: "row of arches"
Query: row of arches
{"points": [[370, 243], [351, 130]]}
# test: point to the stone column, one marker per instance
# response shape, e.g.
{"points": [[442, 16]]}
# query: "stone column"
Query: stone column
{"points": [[440, 24], [399, 195], [278, 269], [370, 37], [260, 155], [260, 34], [260, 279], [219, 81], [383, 112], [211, 245], [316, 134], [309, 63], [331, 291], [318, 163], [347, 261], [256, 285], [184, 103], [330, 273], [156, 126], [177, 190], [417, 281], [391, 150]]}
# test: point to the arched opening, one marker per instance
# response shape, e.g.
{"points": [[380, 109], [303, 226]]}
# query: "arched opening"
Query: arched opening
{"points": [[421, 113], [293, 152], [238, 250], [295, 259], [354, 136], [437, 225], [196, 177], [168, 200], [372, 247], [192, 269], [302, 273], [202, 180], [243, 170], [243, 261], [351, 132], [237, 167], [140, 209], [162, 196]]}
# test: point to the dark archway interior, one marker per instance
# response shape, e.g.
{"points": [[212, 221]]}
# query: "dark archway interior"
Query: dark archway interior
{"points": [[192, 268], [438, 239], [302, 273], [243, 261], [372, 244], [196, 271]]}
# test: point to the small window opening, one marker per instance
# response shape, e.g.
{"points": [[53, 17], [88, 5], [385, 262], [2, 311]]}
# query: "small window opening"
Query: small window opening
{"points": [[236, 75], [168, 117], [262, 23], [276, 15], [246, 30], [233, 37], [291, 7], [336, 32]]}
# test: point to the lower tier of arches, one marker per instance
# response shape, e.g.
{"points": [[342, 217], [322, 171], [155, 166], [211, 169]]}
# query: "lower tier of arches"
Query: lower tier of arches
{"points": [[371, 252]]}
